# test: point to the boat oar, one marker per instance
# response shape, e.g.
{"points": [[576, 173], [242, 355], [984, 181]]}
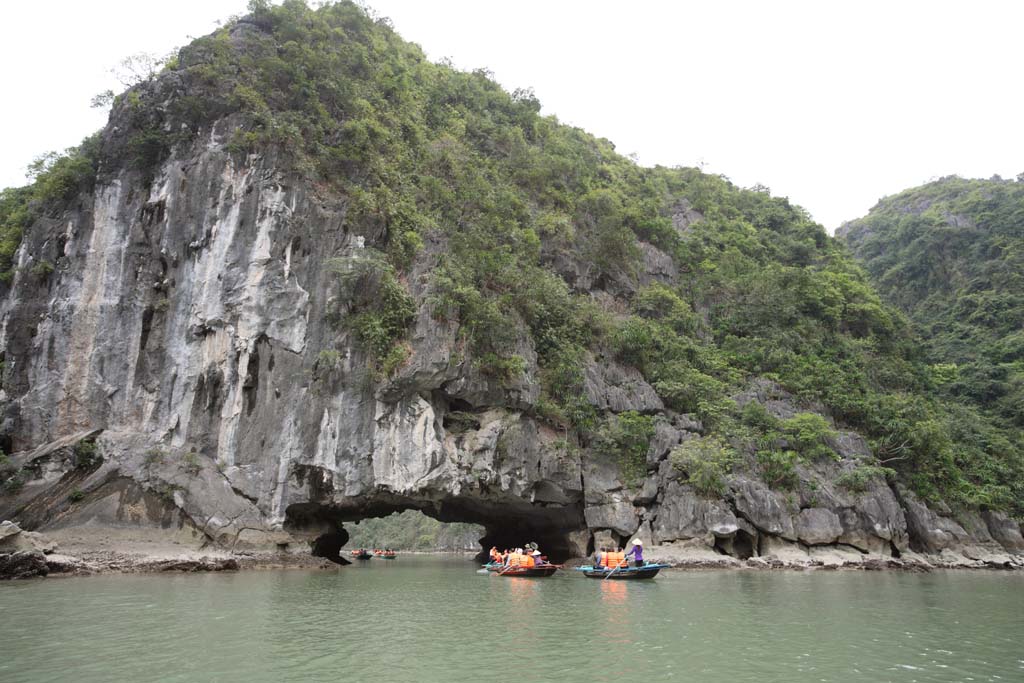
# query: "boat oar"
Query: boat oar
{"points": [[611, 572]]}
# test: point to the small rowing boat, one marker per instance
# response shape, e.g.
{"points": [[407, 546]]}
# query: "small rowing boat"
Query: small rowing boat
{"points": [[647, 571], [534, 572]]}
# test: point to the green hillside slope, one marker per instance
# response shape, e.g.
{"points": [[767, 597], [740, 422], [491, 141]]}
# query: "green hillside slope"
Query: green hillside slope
{"points": [[951, 254]]}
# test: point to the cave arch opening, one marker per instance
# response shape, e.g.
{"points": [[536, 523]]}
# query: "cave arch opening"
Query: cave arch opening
{"points": [[559, 530]]}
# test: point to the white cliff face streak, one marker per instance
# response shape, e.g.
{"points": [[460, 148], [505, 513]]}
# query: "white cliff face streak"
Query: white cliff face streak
{"points": [[95, 315]]}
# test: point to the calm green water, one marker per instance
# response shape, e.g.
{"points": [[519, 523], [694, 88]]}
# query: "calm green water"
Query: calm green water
{"points": [[431, 619]]}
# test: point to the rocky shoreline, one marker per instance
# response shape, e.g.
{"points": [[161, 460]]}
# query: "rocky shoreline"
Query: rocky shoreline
{"points": [[27, 554]]}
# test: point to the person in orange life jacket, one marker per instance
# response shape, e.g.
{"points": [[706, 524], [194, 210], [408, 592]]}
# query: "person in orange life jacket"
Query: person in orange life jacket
{"points": [[638, 553], [613, 559]]}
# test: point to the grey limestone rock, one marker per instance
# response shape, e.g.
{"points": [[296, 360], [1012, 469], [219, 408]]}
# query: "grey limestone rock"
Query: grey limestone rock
{"points": [[615, 387], [817, 526], [930, 532], [682, 515], [621, 517], [666, 437], [1004, 530], [657, 266], [15, 539], [683, 216], [762, 507]]}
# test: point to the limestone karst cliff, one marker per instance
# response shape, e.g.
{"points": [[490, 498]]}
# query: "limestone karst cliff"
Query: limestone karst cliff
{"points": [[305, 276]]}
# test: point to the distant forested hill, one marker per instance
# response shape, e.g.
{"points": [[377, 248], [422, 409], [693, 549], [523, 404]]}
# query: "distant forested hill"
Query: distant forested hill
{"points": [[951, 255], [412, 530]]}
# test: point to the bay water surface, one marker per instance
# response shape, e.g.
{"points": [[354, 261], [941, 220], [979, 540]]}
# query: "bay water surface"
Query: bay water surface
{"points": [[428, 618]]}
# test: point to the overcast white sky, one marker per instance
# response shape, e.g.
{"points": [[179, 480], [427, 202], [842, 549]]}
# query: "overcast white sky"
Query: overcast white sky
{"points": [[834, 105]]}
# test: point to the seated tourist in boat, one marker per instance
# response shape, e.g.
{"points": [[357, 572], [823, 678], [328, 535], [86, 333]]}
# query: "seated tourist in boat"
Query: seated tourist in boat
{"points": [[613, 559], [638, 553]]}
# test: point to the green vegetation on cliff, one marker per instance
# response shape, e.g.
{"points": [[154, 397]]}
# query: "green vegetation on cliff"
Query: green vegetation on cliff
{"points": [[951, 255], [58, 178], [413, 530], [550, 236]]}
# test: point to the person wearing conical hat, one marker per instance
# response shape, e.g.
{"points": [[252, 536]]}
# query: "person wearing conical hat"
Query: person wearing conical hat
{"points": [[638, 553]]}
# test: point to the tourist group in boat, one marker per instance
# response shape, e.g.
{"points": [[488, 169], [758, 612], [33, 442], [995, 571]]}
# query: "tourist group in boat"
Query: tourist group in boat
{"points": [[608, 563], [364, 554]]}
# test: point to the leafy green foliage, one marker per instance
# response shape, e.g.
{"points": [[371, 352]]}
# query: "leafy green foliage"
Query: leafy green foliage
{"points": [[154, 457], [14, 482], [859, 478], [375, 306], [807, 434], [778, 467], [12, 478], [191, 463], [412, 530], [57, 179], [87, 455], [626, 437], [706, 462], [950, 254], [42, 269]]}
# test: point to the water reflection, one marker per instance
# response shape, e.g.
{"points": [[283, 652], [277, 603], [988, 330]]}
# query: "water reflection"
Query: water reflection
{"points": [[613, 593], [424, 619]]}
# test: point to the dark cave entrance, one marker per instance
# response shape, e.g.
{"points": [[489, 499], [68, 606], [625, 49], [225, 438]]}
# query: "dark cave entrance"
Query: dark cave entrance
{"points": [[559, 530], [328, 545], [740, 545]]}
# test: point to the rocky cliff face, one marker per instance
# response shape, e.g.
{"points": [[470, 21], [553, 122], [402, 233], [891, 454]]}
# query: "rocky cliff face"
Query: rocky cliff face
{"points": [[186, 322], [182, 330], [181, 369]]}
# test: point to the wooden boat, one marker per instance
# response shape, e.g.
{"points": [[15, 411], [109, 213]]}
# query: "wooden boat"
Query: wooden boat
{"points": [[648, 571], [494, 566], [362, 554], [534, 572], [388, 556]]}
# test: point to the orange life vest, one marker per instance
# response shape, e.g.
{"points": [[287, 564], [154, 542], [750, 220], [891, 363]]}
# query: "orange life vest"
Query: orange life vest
{"points": [[529, 561], [611, 560], [515, 560]]}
